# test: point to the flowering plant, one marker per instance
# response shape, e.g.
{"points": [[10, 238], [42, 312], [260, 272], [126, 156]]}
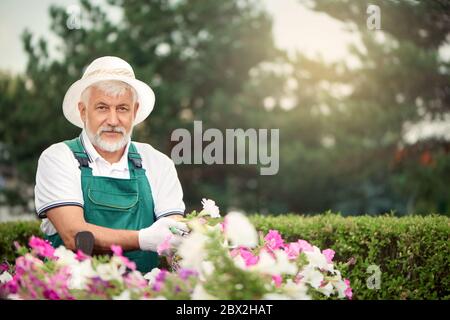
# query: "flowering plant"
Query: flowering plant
{"points": [[219, 259]]}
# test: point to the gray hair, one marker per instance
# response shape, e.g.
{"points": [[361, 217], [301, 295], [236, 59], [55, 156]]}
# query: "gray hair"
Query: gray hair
{"points": [[114, 88]]}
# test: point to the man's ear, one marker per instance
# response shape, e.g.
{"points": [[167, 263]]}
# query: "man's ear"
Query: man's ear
{"points": [[82, 109]]}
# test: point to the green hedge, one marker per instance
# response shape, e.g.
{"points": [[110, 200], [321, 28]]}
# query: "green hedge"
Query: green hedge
{"points": [[19, 231], [412, 253]]}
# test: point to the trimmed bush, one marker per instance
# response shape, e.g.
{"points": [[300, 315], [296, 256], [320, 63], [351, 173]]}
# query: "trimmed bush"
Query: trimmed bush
{"points": [[19, 231], [412, 253]]}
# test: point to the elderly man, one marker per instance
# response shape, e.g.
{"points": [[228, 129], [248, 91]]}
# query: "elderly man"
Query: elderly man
{"points": [[125, 193]]}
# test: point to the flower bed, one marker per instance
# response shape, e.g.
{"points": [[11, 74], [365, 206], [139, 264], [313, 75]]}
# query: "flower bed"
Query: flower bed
{"points": [[219, 259]]}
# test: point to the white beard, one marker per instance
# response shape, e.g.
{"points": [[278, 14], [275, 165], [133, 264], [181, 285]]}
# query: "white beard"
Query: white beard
{"points": [[96, 139]]}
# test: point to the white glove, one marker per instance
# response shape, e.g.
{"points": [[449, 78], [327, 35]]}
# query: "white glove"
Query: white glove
{"points": [[150, 238]]}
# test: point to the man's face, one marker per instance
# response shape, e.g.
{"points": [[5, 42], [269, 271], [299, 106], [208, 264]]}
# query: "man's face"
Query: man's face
{"points": [[108, 119]]}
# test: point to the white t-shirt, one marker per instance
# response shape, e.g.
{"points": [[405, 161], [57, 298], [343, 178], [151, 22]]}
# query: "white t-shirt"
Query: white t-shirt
{"points": [[58, 178]]}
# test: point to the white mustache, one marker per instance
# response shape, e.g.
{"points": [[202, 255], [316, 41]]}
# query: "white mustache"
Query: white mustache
{"points": [[111, 129]]}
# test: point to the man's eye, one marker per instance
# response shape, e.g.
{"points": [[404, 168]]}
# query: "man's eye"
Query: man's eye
{"points": [[101, 108], [123, 109]]}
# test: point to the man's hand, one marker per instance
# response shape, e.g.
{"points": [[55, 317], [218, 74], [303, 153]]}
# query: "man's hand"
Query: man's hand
{"points": [[151, 237]]}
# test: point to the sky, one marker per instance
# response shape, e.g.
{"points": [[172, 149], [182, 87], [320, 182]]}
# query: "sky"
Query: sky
{"points": [[295, 28]]}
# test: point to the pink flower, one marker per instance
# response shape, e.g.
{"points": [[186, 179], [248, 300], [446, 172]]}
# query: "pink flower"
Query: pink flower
{"points": [[12, 286], [348, 292], [129, 264], [274, 240], [305, 245], [329, 254], [248, 257], [4, 267], [81, 256], [42, 247], [292, 250], [235, 252], [278, 280], [51, 294], [165, 245], [117, 250], [298, 278], [133, 280]]}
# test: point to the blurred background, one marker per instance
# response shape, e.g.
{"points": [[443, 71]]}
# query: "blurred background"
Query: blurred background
{"points": [[363, 113]]}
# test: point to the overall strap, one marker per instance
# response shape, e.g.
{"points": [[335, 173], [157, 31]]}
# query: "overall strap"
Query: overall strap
{"points": [[134, 157], [78, 151]]}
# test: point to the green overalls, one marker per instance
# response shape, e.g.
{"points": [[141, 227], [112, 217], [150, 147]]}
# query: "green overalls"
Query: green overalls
{"points": [[116, 203]]}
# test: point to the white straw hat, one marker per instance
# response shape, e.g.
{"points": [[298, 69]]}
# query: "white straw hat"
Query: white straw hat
{"points": [[108, 68]]}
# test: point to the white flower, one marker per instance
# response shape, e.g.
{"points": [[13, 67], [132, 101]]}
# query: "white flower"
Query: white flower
{"points": [[192, 251], [340, 287], [275, 296], [240, 231], [284, 265], [280, 265], [151, 276], [297, 291], [239, 262], [327, 289], [200, 293], [207, 268], [266, 264], [312, 276], [317, 259], [5, 277], [125, 295], [80, 274], [65, 256], [109, 271], [210, 208]]}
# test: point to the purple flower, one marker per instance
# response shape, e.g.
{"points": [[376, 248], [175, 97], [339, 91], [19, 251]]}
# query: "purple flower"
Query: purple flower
{"points": [[157, 286], [186, 273], [161, 276]]}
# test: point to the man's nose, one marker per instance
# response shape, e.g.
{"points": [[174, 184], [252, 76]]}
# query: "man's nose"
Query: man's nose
{"points": [[113, 120]]}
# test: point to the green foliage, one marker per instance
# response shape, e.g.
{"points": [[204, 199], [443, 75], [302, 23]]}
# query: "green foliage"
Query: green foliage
{"points": [[21, 232], [412, 252]]}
